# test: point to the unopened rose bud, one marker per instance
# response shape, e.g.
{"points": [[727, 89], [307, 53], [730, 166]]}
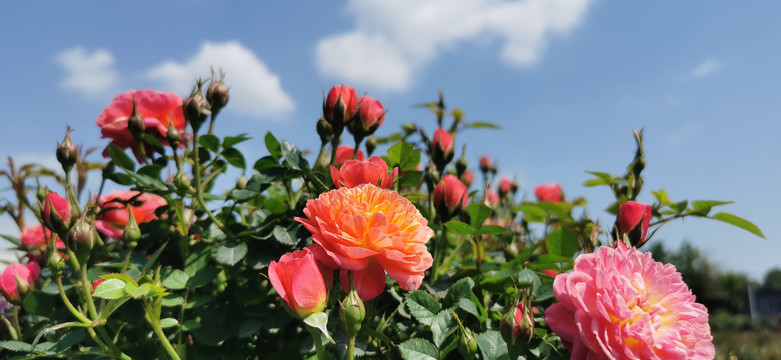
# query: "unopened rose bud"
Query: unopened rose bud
{"points": [[505, 187], [136, 123], [217, 95], [17, 280], [468, 178], [325, 130], [409, 129], [461, 163], [108, 169], [241, 183], [467, 344], [442, 148], [371, 144], [486, 166], [371, 115], [132, 232], [56, 213], [182, 181], [196, 110], [450, 196], [67, 152], [56, 263], [517, 326], [339, 107], [352, 312], [632, 223], [82, 235], [173, 136]]}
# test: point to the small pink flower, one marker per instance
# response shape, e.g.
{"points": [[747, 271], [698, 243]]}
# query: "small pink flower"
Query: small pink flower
{"points": [[297, 278], [621, 304], [505, 186], [17, 280], [492, 198], [453, 192], [485, 164], [371, 114], [60, 218], [34, 239], [114, 215], [345, 152], [468, 178], [356, 172], [549, 192], [442, 142], [158, 109]]}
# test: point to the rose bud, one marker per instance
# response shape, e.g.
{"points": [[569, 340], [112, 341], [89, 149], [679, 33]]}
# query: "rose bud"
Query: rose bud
{"points": [[352, 312], [298, 280], [486, 165], [371, 115], [450, 195], [468, 178], [340, 106], [356, 172], [409, 129], [467, 343], [59, 219], [82, 235], [632, 223], [196, 110], [325, 130], [17, 280], [132, 233], [517, 326], [550, 272], [505, 187], [173, 136], [136, 124], [442, 148], [371, 144], [345, 152], [217, 95], [549, 193], [67, 152], [461, 163], [491, 198]]}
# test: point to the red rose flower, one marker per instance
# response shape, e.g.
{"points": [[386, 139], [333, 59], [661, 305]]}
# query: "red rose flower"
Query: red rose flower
{"points": [[442, 148], [549, 192], [114, 215], [297, 278], [505, 186], [60, 218], [633, 220], [453, 192], [340, 106], [345, 152], [17, 280]]}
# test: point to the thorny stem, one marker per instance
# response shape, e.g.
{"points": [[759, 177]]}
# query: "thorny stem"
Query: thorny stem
{"points": [[199, 188]]}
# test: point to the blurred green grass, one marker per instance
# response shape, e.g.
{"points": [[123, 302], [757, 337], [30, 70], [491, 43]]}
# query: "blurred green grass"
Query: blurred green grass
{"points": [[747, 345]]}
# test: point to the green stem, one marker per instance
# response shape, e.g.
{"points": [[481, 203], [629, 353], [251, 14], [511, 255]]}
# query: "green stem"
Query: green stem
{"points": [[351, 348], [316, 337], [126, 263], [334, 146], [163, 339], [69, 305], [199, 188], [16, 322]]}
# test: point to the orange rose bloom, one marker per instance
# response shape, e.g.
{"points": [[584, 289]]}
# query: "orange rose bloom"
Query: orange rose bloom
{"points": [[366, 228]]}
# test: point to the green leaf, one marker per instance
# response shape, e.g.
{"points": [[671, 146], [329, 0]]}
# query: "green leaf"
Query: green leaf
{"points": [[442, 326], [122, 277], [661, 196], [120, 159], [543, 291], [423, 306], [152, 141], [283, 236], [492, 345], [209, 141], [410, 178], [562, 242], [739, 222], [462, 289], [680, 207], [527, 277], [38, 303], [153, 259], [17, 346], [110, 289], [137, 291], [242, 195], [176, 280], [235, 158], [151, 170], [168, 322], [601, 175], [478, 212], [531, 209], [491, 230], [418, 349], [293, 156], [483, 124], [459, 228], [71, 338], [231, 141], [203, 277], [498, 280], [319, 321], [702, 207], [272, 144], [230, 254], [172, 300]]}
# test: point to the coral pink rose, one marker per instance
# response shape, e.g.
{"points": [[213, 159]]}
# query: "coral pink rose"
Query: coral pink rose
{"points": [[505, 186], [621, 304], [356, 172], [345, 152], [34, 238], [453, 192], [157, 108], [485, 164], [549, 192], [371, 114], [370, 231], [114, 215], [442, 148], [297, 278], [60, 218], [633, 221], [17, 280], [340, 105], [492, 198], [468, 178]]}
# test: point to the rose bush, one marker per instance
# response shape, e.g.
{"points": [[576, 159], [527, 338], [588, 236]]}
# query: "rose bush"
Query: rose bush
{"points": [[166, 261]]}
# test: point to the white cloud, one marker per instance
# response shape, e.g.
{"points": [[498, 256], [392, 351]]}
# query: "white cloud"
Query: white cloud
{"points": [[254, 89], [392, 40], [91, 73], [706, 68], [682, 133]]}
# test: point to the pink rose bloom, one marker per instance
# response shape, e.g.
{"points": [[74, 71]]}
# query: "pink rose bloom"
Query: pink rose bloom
{"points": [[621, 304], [491, 198], [114, 215], [505, 186], [341, 103], [155, 107], [34, 239], [345, 152], [468, 178], [453, 192], [371, 113], [629, 222], [549, 193], [298, 279], [356, 172]]}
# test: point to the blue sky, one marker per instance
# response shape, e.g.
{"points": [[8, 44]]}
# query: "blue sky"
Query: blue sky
{"points": [[566, 79]]}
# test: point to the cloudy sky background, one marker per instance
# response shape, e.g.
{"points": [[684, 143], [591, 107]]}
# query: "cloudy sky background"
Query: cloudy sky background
{"points": [[566, 79]]}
